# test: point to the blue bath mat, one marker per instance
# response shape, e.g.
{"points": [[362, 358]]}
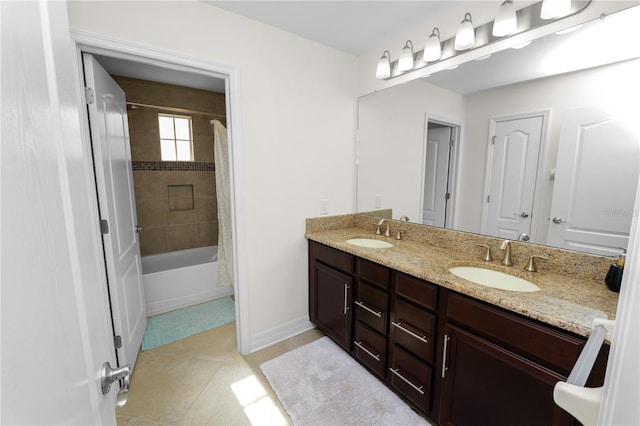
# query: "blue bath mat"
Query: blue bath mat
{"points": [[185, 322]]}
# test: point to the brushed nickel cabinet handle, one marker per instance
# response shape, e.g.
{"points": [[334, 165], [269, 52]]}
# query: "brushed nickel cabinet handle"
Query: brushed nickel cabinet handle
{"points": [[346, 297], [368, 309], [359, 344], [406, 330], [395, 371], [444, 355]]}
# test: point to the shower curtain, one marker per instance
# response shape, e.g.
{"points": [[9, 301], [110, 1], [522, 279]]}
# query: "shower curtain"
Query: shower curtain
{"points": [[223, 193]]}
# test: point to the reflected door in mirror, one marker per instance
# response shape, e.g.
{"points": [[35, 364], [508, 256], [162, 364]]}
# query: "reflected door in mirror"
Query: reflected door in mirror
{"points": [[436, 175], [513, 164], [595, 184]]}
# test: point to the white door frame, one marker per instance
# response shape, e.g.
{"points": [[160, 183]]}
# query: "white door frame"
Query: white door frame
{"points": [[116, 48], [541, 156], [457, 127]]}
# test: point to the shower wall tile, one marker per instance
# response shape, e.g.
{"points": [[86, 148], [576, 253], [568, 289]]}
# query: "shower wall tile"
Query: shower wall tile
{"points": [[153, 240], [207, 233], [152, 212], [181, 237], [181, 217], [166, 230], [206, 209]]}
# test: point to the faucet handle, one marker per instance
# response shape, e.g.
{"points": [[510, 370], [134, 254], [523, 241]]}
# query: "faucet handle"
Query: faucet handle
{"points": [[487, 255], [531, 266]]}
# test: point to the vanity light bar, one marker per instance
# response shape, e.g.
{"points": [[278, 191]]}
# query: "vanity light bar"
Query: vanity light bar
{"points": [[528, 18]]}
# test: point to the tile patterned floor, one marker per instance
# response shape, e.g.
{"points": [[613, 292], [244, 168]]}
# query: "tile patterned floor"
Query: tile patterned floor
{"points": [[202, 380]]}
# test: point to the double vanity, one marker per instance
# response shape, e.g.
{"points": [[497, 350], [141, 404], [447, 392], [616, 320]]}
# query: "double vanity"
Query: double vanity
{"points": [[465, 341]]}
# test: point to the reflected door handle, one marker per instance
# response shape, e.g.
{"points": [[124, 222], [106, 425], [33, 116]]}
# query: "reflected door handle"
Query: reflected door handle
{"points": [[138, 229], [524, 215], [557, 219]]}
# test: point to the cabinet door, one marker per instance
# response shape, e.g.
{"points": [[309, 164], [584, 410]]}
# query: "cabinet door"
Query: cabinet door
{"points": [[331, 297], [484, 384]]}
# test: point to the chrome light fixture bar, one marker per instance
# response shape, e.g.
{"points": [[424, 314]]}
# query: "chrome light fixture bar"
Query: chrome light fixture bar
{"points": [[527, 19]]}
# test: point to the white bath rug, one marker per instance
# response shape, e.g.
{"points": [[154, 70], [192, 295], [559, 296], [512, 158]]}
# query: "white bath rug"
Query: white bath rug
{"points": [[320, 384]]}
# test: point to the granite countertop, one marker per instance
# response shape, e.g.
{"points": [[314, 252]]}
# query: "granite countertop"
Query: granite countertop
{"points": [[563, 301]]}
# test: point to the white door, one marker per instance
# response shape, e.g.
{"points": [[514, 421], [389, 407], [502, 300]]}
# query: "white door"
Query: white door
{"points": [[436, 176], [595, 183], [512, 180], [116, 199], [56, 326]]}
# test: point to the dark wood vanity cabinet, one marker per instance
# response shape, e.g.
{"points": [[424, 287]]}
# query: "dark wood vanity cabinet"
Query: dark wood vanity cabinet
{"points": [[331, 292], [412, 339], [456, 359], [371, 310], [500, 369]]}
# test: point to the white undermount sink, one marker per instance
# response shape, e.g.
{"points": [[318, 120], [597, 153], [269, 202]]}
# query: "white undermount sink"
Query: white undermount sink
{"points": [[495, 279], [369, 243]]}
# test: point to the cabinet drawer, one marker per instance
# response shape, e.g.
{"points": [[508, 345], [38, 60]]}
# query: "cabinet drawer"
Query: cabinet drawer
{"points": [[410, 377], [413, 328], [371, 307], [373, 273], [546, 346], [334, 258], [417, 290], [370, 348]]}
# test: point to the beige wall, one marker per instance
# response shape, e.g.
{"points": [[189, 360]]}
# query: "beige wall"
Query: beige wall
{"points": [[175, 201], [293, 143]]}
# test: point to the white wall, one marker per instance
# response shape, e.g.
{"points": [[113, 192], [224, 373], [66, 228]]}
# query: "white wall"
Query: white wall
{"points": [[391, 143], [605, 87], [298, 117]]}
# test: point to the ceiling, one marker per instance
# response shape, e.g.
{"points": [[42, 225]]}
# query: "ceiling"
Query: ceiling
{"points": [[350, 26]]}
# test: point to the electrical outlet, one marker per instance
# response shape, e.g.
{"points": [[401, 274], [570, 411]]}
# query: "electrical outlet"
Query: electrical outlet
{"points": [[324, 206]]}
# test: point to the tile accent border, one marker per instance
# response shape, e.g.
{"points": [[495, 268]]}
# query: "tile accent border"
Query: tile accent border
{"points": [[173, 166]]}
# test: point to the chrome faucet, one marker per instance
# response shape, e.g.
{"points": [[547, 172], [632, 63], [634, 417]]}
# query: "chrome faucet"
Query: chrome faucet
{"points": [[506, 246], [387, 233]]}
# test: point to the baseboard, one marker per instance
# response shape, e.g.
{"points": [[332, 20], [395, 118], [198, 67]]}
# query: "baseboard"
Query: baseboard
{"points": [[282, 332], [188, 300]]}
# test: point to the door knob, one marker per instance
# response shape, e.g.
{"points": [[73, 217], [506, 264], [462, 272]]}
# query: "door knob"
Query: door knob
{"points": [[138, 229], [523, 237], [524, 215], [557, 220], [109, 375]]}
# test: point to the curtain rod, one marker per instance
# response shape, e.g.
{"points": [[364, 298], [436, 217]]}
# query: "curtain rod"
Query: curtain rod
{"points": [[135, 105]]}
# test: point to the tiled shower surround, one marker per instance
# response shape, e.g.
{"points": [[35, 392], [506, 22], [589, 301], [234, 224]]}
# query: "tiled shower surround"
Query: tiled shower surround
{"points": [[175, 200]]}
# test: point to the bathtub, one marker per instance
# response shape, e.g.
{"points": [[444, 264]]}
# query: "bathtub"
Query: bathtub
{"points": [[181, 278]]}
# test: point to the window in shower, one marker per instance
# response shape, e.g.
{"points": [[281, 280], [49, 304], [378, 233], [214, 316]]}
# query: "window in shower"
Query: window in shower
{"points": [[176, 137]]}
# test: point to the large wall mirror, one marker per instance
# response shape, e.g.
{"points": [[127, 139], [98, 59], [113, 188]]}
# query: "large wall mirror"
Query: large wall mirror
{"points": [[536, 144]]}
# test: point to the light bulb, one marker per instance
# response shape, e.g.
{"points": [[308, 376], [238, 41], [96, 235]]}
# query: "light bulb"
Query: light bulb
{"points": [[384, 65], [405, 63], [466, 35], [507, 21], [554, 8], [432, 48]]}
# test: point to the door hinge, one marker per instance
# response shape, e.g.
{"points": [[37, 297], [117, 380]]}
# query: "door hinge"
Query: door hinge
{"points": [[89, 95], [447, 196], [493, 140], [451, 143], [488, 198], [117, 341], [104, 226]]}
